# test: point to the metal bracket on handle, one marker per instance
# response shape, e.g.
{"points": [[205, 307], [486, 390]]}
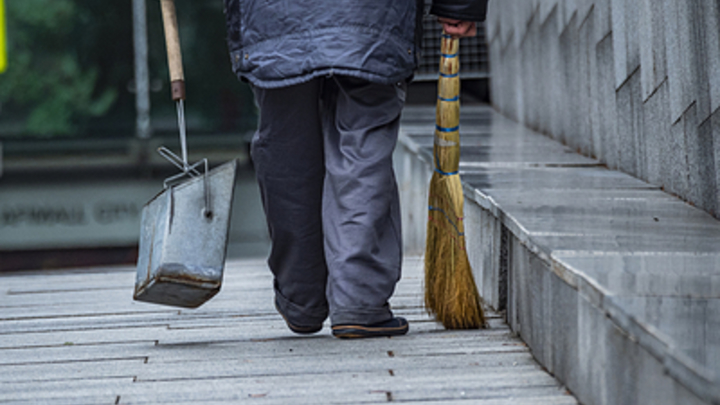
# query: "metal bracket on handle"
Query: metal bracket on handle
{"points": [[190, 171]]}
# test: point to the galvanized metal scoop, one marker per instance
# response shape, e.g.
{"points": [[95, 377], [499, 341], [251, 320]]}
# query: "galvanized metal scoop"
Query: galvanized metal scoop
{"points": [[184, 231]]}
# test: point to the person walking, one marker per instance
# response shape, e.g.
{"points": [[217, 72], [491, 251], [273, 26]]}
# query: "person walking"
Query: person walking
{"points": [[329, 79]]}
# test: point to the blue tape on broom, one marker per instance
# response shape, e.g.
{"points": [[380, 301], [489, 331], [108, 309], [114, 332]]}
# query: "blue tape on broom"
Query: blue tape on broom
{"points": [[437, 168], [443, 129], [431, 208]]}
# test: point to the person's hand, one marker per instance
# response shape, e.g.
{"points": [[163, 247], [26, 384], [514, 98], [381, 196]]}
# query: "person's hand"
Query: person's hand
{"points": [[458, 28]]}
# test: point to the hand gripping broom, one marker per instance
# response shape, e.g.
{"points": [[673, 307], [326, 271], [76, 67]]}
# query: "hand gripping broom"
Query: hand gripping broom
{"points": [[450, 291]]}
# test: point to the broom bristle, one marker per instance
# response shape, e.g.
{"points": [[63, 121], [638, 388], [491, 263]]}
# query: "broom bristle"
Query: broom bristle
{"points": [[450, 290]]}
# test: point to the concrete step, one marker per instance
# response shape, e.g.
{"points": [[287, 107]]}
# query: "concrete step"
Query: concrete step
{"points": [[614, 284]]}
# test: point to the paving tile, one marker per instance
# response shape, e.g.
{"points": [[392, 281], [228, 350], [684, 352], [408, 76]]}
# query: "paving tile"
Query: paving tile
{"points": [[56, 348]]}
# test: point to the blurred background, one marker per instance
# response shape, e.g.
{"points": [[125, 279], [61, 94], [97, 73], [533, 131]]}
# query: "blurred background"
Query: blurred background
{"points": [[85, 103], [78, 147]]}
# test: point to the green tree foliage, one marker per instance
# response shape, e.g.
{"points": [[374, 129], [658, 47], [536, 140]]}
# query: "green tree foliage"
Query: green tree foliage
{"points": [[49, 83], [70, 70]]}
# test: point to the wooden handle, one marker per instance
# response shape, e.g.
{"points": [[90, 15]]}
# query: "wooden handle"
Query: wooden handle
{"points": [[172, 43], [447, 133]]}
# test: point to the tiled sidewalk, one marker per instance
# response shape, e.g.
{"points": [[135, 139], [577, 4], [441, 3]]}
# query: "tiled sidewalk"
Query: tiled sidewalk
{"points": [[76, 337]]}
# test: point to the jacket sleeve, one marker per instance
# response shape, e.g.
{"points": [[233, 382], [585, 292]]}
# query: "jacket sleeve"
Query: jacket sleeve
{"points": [[466, 10]]}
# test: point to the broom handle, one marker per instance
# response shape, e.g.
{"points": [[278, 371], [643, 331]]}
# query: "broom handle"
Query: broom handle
{"points": [[447, 132], [172, 42]]}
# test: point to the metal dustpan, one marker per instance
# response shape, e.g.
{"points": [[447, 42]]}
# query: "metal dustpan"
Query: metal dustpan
{"points": [[184, 231], [184, 236]]}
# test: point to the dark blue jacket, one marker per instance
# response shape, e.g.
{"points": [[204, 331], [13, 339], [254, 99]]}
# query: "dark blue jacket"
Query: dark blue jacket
{"points": [[279, 43]]}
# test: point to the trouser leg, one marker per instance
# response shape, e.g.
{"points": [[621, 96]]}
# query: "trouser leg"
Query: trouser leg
{"points": [[361, 210], [287, 152]]}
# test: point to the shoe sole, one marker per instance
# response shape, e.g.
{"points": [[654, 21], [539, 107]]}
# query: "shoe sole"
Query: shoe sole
{"points": [[359, 331], [300, 330]]}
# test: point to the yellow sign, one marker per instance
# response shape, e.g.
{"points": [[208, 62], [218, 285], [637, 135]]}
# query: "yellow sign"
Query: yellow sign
{"points": [[3, 48]]}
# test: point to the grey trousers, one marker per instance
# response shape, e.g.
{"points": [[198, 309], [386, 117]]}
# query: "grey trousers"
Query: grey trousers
{"points": [[323, 160]]}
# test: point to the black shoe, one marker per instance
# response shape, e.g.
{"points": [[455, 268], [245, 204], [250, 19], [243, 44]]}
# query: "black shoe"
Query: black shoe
{"points": [[304, 330], [394, 327], [300, 330]]}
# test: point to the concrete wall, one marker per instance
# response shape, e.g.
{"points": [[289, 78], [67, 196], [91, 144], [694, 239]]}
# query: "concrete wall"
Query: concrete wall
{"points": [[633, 83]]}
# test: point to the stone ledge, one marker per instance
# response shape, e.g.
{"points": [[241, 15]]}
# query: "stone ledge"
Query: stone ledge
{"points": [[614, 284]]}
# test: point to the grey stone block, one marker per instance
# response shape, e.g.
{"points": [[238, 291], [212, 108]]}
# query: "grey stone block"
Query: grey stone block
{"points": [[497, 89], [546, 85], [620, 38], [564, 331], [701, 162], [567, 92], [639, 142], [651, 389], [682, 53], [518, 286], [48, 392], [608, 111], [626, 111], [622, 368], [656, 130], [554, 101], [625, 39], [591, 385], [548, 9], [584, 7], [569, 13], [507, 26], [677, 160], [577, 130], [481, 239], [541, 310], [513, 64], [523, 13], [700, 75], [504, 266], [531, 292], [594, 115], [510, 81], [492, 21], [711, 30], [684, 396], [103, 368], [653, 58], [587, 68], [603, 15], [632, 15], [493, 278], [532, 72], [413, 176], [715, 133]]}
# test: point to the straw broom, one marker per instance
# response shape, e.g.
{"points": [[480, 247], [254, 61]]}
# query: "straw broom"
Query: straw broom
{"points": [[450, 291]]}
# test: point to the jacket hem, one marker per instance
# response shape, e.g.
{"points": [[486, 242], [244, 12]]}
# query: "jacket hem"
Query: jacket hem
{"points": [[366, 54], [327, 72]]}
